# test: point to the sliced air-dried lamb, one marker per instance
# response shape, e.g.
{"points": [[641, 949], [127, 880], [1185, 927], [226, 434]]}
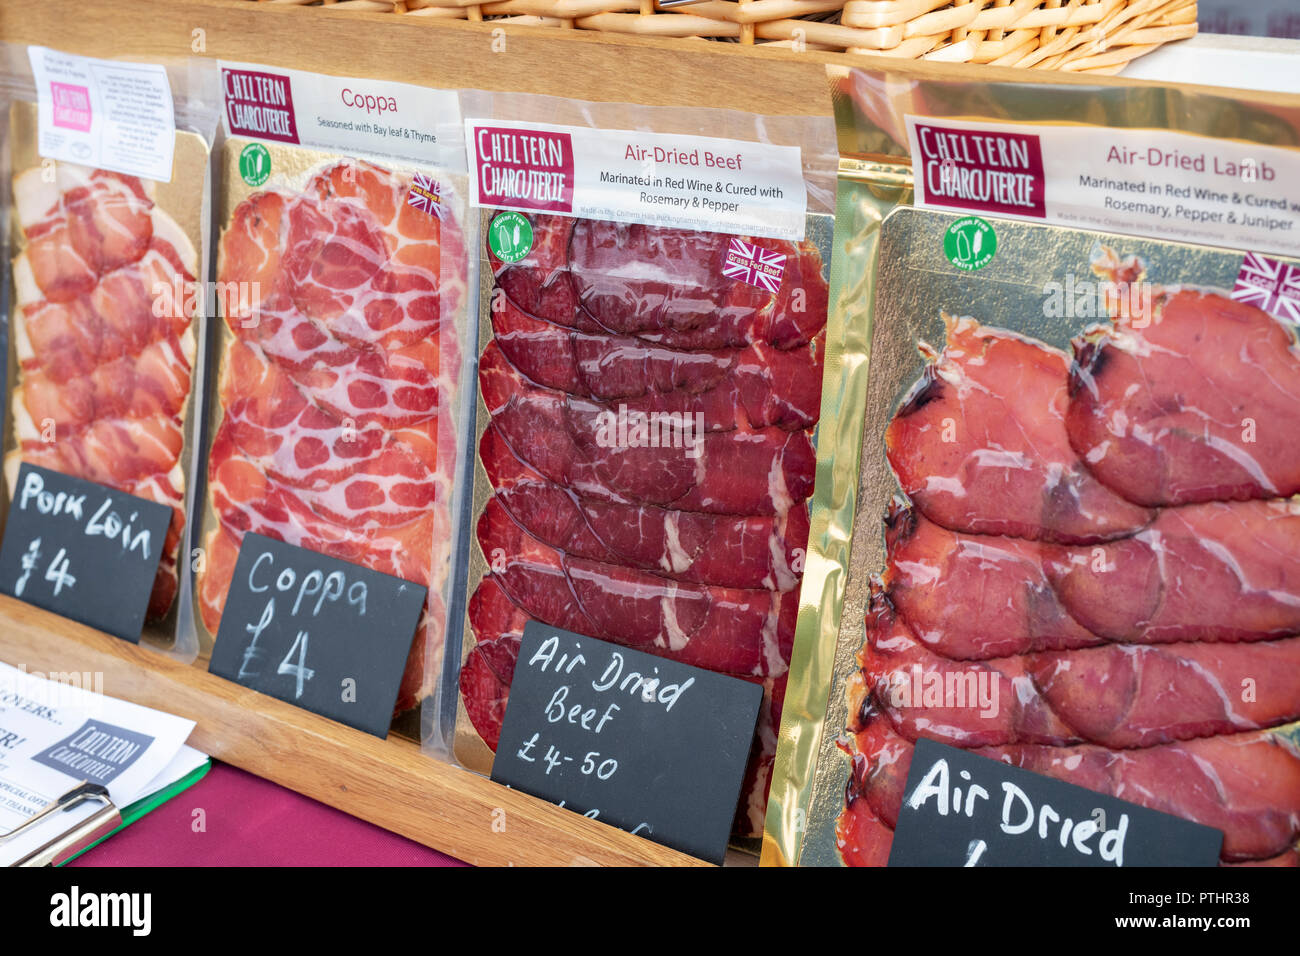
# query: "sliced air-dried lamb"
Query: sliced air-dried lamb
{"points": [[1194, 401], [980, 444]]}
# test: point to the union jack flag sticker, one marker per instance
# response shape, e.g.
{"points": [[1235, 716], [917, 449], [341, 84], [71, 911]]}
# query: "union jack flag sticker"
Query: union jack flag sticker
{"points": [[424, 195], [1270, 284], [754, 265]]}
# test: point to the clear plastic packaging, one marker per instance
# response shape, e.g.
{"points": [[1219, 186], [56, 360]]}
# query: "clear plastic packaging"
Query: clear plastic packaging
{"points": [[105, 325], [1062, 469], [335, 414], [649, 373]]}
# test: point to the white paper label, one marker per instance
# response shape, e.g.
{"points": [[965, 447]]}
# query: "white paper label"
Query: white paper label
{"points": [[1156, 183], [55, 734], [105, 114], [684, 182], [348, 115]]}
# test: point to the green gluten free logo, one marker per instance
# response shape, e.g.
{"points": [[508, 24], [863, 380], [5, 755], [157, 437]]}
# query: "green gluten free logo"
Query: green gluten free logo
{"points": [[510, 236], [254, 164], [970, 243]]}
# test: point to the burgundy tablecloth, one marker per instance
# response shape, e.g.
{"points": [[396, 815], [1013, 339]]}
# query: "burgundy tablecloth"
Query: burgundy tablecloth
{"points": [[248, 821]]}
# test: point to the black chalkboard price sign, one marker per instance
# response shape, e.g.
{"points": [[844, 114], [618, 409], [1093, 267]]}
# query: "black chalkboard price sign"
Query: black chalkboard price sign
{"points": [[82, 550], [329, 636], [643, 743], [960, 809]]}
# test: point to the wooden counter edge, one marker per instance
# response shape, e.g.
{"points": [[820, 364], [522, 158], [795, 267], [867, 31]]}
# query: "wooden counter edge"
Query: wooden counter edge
{"points": [[387, 782]]}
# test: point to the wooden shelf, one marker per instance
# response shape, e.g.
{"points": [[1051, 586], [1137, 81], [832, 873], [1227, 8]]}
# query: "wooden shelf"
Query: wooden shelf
{"points": [[388, 782], [458, 54]]}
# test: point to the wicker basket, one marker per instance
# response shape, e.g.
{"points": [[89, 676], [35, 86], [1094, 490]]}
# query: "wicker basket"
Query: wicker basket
{"points": [[1078, 35]]}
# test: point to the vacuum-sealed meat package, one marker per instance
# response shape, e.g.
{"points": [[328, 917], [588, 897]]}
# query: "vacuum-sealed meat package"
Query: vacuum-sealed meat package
{"points": [[335, 410], [652, 338], [1088, 562], [1055, 525], [107, 260]]}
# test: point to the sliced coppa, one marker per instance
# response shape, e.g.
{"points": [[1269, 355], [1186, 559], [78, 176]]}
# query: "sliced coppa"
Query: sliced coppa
{"points": [[730, 630], [574, 442], [1246, 785], [246, 498], [971, 597], [350, 254], [366, 472], [768, 386], [1222, 571], [979, 444], [1192, 402], [740, 551]]}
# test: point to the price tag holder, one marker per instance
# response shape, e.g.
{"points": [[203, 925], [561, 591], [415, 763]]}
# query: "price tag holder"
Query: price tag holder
{"points": [[646, 744], [323, 634], [85, 551], [960, 809]]}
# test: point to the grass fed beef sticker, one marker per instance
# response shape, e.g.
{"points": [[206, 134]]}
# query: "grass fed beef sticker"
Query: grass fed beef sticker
{"points": [[992, 171], [1143, 182], [681, 182]]}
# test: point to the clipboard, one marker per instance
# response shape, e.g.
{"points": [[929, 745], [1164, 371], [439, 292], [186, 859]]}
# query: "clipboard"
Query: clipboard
{"points": [[67, 844]]}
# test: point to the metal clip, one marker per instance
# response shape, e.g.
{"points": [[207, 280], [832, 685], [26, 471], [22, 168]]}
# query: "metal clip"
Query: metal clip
{"points": [[66, 844]]}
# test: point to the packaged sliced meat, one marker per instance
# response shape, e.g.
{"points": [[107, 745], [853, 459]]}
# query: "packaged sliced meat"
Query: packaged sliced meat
{"points": [[1062, 557], [1119, 695], [650, 384], [106, 318], [1187, 399], [980, 443], [337, 410]]}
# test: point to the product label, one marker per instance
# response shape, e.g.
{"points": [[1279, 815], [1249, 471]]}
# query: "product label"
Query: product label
{"points": [[1157, 183], [351, 115], [650, 745], [102, 113], [960, 809], [83, 550], [685, 182]]}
